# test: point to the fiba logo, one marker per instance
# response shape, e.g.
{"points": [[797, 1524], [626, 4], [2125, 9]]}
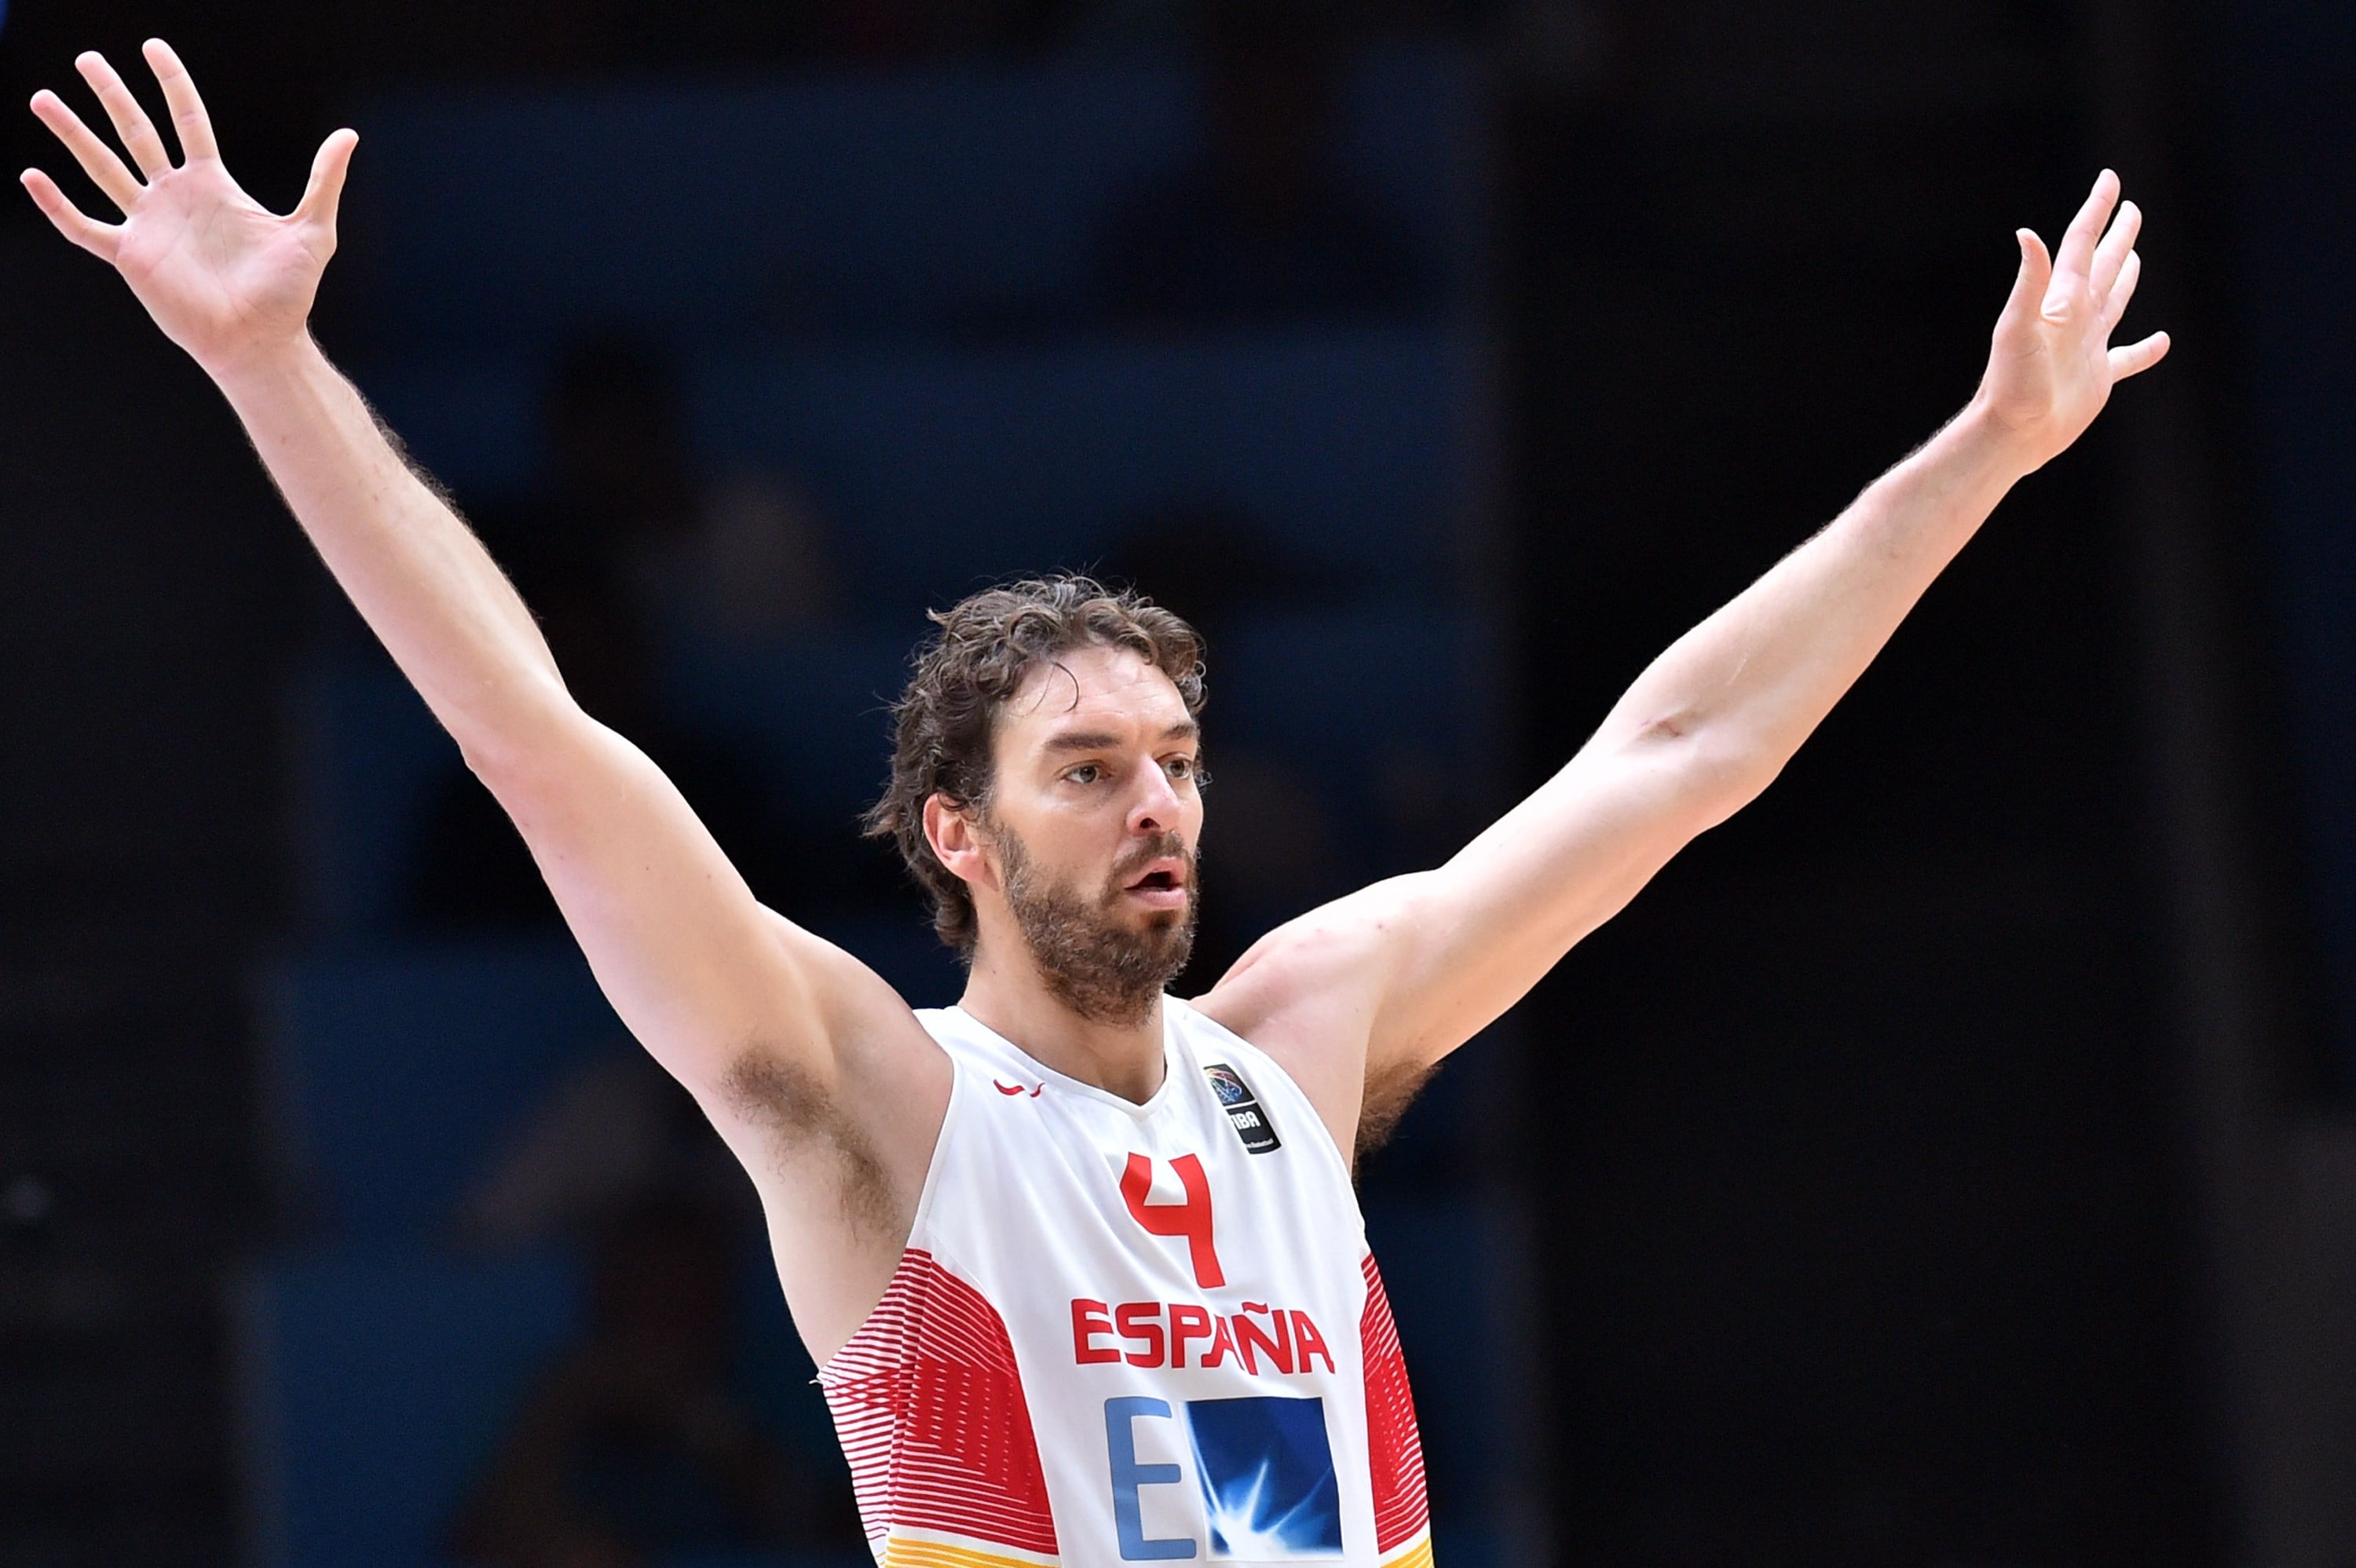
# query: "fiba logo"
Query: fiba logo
{"points": [[1228, 1084], [1243, 1108]]}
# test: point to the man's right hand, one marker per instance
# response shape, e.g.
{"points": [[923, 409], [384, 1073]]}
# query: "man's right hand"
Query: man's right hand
{"points": [[227, 279]]}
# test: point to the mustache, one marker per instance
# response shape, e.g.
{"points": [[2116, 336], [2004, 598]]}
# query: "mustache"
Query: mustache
{"points": [[1167, 846]]}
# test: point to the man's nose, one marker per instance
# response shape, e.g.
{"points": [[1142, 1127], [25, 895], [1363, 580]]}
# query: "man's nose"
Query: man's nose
{"points": [[1155, 808]]}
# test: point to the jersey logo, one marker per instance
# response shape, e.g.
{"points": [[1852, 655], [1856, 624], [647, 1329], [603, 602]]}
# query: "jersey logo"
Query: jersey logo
{"points": [[1191, 1219], [1263, 1465], [1014, 1088], [1243, 1108]]}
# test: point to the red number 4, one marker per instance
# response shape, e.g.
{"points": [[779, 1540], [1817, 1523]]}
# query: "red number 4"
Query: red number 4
{"points": [[1191, 1219]]}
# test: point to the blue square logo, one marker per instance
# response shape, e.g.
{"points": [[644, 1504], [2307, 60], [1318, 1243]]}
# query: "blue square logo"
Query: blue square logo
{"points": [[1266, 1471]]}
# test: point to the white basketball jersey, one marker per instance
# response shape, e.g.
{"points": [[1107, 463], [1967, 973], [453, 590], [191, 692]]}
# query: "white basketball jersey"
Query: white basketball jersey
{"points": [[1132, 1333]]}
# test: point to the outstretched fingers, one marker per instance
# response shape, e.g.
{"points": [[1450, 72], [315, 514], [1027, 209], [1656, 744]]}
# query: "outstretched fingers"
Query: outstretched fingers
{"points": [[2115, 305], [98, 160], [131, 121], [2077, 251], [2030, 284], [2117, 245], [326, 191], [98, 239], [189, 121], [2136, 357]]}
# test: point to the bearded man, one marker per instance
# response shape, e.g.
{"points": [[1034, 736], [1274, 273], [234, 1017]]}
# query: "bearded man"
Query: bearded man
{"points": [[1081, 1262]]}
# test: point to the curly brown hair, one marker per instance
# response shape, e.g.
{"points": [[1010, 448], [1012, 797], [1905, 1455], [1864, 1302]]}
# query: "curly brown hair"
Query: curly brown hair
{"points": [[946, 721]]}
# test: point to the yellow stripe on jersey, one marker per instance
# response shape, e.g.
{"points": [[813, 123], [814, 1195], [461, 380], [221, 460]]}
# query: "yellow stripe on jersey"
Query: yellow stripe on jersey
{"points": [[903, 1551], [1415, 1554]]}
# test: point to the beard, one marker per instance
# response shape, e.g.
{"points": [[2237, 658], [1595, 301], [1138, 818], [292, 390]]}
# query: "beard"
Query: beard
{"points": [[1102, 970]]}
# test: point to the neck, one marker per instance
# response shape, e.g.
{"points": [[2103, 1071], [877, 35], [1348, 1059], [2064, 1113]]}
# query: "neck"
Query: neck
{"points": [[1008, 995]]}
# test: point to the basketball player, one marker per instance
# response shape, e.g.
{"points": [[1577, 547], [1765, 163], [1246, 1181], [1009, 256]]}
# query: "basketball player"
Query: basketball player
{"points": [[1081, 1262]]}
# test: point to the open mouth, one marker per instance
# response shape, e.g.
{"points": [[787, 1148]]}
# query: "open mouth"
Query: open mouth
{"points": [[1162, 883]]}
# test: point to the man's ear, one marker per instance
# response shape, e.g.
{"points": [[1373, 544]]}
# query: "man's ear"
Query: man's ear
{"points": [[958, 842]]}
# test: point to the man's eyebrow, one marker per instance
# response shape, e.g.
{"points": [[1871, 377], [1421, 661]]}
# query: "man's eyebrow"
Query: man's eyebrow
{"points": [[1083, 741], [1106, 741]]}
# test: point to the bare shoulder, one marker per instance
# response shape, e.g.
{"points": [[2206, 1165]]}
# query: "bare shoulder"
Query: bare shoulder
{"points": [[1311, 993]]}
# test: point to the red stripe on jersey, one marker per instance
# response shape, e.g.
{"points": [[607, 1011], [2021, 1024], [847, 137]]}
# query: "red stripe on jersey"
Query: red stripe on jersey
{"points": [[1393, 1446], [930, 1410]]}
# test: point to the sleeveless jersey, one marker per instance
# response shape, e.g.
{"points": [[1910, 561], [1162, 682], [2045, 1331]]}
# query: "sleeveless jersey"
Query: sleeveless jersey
{"points": [[1132, 1333]]}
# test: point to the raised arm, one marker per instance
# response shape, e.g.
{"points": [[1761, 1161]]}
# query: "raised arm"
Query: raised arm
{"points": [[762, 1021], [1426, 961]]}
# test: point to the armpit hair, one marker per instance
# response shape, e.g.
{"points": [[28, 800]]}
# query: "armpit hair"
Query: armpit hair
{"points": [[787, 1102], [1388, 1095]]}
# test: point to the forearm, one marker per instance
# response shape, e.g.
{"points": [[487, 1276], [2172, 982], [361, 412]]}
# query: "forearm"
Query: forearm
{"points": [[1704, 729], [418, 575], [1747, 685], [1713, 720]]}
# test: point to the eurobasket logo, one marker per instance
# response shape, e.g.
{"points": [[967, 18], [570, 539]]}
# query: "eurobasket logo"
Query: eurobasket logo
{"points": [[1263, 1465], [1267, 1473]]}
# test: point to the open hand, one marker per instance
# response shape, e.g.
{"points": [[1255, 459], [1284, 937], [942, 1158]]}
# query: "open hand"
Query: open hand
{"points": [[225, 278], [2051, 366]]}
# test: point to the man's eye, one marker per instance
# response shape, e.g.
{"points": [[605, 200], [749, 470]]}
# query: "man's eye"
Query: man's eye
{"points": [[1086, 773], [1179, 767]]}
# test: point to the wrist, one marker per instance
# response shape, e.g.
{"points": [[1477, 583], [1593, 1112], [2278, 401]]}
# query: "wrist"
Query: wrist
{"points": [[1992, 440], [271, 362]]}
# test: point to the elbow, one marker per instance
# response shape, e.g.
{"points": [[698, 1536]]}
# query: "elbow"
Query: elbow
{"points": [[525, 735], [1718, 769], [1734, 777], [493, 759], [1740, 783]]}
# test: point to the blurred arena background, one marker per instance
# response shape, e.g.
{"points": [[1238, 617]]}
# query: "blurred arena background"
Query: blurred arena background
{"points": [[1950, 1162]]}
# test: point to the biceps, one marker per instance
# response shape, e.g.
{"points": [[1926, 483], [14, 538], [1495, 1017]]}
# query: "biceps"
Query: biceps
{"points": [[688, 957]]}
